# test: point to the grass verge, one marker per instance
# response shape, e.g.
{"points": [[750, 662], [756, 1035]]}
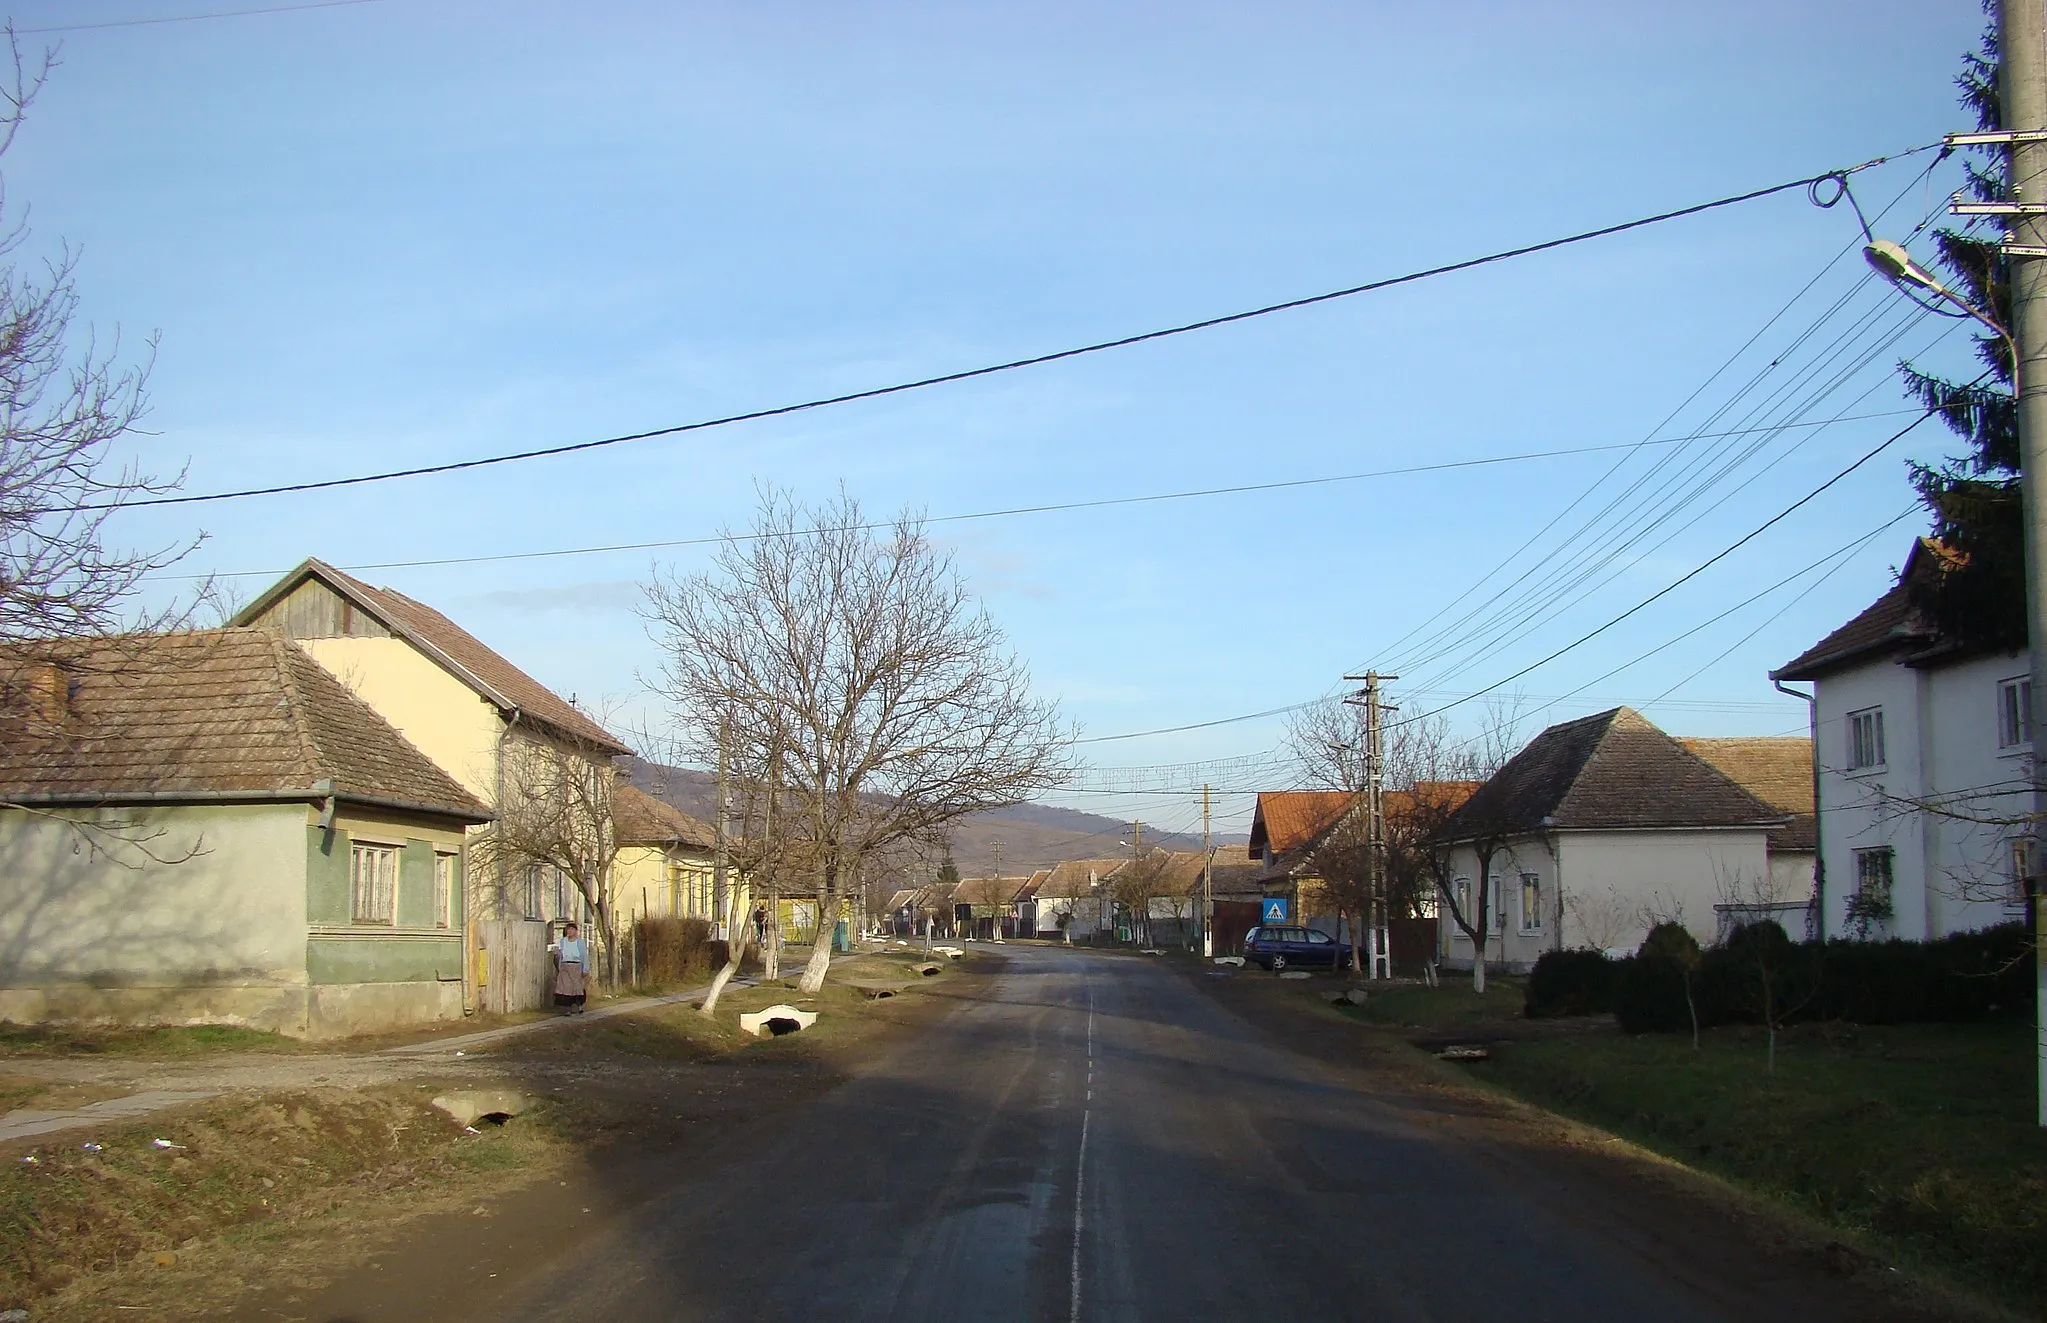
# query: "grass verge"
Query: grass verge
{"points": [[161, 1041], [88, 1203]]}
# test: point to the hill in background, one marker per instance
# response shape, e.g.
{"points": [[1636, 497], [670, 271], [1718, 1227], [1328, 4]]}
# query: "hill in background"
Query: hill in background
{"points": [[1033, 836]]}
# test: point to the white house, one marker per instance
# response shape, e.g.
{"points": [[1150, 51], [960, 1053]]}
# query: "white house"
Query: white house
{"points": [[1925, 754], [1594, 829]]}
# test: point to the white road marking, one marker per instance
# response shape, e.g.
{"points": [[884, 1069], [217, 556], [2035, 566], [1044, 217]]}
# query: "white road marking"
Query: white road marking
{"points": [[1080, 1168]]}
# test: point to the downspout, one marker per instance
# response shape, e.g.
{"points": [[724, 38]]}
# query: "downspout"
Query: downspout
{"points": [[1556, 859], [1818, 923]]}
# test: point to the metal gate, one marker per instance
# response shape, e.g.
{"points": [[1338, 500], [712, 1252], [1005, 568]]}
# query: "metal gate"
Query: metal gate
{"points": [[516, 968]]}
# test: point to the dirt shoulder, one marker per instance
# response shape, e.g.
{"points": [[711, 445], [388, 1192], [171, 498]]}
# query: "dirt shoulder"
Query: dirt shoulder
{"points": [[299, 1199], [1677, 1216]]}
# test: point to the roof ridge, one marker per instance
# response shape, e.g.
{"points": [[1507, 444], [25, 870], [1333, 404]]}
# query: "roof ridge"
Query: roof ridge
{"points": [[316, 757]]}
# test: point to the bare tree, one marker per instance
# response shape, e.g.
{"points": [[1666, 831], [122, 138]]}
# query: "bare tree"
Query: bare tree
{"points": [[1437, 773], [899, 704], [62, 409], [555, 811], [1135, 885]]}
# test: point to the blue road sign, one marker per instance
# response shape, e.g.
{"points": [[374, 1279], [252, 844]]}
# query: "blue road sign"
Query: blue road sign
{"points": [[1274, 910]]}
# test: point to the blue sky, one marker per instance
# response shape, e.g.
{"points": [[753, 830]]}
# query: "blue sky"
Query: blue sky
{"points": [[402, 232]]}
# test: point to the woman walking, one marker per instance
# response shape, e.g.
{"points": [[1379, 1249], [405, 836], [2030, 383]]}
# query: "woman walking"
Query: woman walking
{"points": [[571, 971]]}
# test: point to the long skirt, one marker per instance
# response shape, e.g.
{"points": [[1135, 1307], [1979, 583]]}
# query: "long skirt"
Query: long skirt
{"points": [[569, 984]]}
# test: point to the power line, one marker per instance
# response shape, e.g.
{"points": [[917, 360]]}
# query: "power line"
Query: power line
{"points": [[1036, 360], [192, 18], [1053, 508]]}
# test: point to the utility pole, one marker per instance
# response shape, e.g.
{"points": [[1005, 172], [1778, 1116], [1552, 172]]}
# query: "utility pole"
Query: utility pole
{"points": [[2022, 101], [995, 919], [718, 866], [1207, 884], [1379, 934]]}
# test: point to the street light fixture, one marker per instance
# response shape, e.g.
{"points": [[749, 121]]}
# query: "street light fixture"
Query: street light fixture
{"points": [[1896, 265]]}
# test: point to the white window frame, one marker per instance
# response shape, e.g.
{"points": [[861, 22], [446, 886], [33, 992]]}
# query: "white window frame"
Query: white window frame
{"points": [[1531, 915], [1496, 920], [1864, 874], [374, 901], [447, 875], [1865, 739], [2015, 713], [2021, 857], [1462, 887]]}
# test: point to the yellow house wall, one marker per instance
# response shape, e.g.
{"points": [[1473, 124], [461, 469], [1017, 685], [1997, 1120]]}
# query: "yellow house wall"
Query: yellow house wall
{"points": [[442, 717], [640, 881]]}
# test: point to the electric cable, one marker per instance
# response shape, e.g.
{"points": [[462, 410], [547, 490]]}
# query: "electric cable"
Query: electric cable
{"points": [[1035, 360]]}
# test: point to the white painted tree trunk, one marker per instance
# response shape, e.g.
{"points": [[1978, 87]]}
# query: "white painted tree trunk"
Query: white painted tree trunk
{"points": [[735, 951], [1478, 968], [820, 954]]}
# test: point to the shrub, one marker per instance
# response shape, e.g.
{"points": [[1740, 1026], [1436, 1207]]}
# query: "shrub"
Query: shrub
{"points": [[1669, 941], [1570, 983], [677, 950], [1968, 976]]}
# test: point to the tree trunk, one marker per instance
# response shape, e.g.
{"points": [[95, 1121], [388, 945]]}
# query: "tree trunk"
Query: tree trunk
{"points": [[737, 925], [1477, 964], [821, 947]]}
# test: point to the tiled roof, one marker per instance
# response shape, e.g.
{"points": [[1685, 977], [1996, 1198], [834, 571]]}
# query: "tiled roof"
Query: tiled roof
{"points": [[1889, 622], [1612, 770], [641, 819], [988, 891], [1235, 872], [1030, 888], [210, 712], [1299, 859], [1776, 769], [1071, 879], [465, 655], [1291, 819]]}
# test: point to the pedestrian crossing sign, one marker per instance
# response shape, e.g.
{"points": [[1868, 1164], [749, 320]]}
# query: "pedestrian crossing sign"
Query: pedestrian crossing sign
{"points": [[1274, 910]]}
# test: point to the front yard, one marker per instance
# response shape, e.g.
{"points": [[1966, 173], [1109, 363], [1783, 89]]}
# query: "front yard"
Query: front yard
{"points": [[1919, 1142]]}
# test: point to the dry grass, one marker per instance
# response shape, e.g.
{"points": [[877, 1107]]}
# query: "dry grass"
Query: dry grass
{"points": [[161, 1041], [74, 1213]]}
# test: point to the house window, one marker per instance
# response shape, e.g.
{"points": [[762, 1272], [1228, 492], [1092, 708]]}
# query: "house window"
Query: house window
{"points": [[373, 883], [1869, 906], [2021, 870], [1866, 738], [2015, 713], [529, 898], [1531, 903], [1496, 920], [444, 890], [1462, 888]]}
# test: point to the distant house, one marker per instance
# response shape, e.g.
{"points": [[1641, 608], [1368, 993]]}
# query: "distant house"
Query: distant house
{"points": [[1591, 829], [1286, 825], [1235, 883], [985, 907], [1072, 902], [1925, 750], [482, 721], [667, 860], [1776, 769], [1027, 904], [208, 828]]}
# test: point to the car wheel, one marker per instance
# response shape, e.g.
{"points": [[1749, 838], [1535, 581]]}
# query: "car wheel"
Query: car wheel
{"points": [[1277, 964]]}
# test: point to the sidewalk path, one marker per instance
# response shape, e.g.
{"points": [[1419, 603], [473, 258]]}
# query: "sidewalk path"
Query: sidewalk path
{"points": [[341, 1070]]}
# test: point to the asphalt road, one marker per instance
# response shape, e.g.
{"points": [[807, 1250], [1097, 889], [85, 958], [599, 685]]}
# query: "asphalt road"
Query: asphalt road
{"points": [[1097, 1139]]}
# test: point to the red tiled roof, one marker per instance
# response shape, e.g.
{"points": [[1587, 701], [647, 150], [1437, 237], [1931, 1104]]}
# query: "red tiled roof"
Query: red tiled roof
{"points": [[641, 819], [1290, 819], [1888, 622]]}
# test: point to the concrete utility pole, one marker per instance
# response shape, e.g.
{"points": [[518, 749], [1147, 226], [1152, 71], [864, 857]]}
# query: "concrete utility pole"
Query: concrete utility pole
{"points": [[1379, 925], [718, 892], [2022, 98], [1207, 883]]}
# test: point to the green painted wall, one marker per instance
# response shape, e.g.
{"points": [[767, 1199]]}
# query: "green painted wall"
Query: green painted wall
{"points": [[326, 876], [381, 959], [416, 885]]}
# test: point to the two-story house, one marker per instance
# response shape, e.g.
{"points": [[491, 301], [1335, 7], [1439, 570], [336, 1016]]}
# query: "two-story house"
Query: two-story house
{"points": [[481, 720], [1925, 756]]}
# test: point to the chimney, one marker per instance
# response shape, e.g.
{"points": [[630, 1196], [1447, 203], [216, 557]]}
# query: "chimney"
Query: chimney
{"points": [[49, 688]]}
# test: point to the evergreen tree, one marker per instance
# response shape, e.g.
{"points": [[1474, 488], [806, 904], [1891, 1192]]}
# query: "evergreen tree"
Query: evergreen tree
{"points": [[1975, 498], [948, 871]]}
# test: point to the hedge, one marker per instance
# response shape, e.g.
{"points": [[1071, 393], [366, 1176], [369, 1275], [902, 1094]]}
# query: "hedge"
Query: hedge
{"points": [[1968, 976], [1570, 983]]}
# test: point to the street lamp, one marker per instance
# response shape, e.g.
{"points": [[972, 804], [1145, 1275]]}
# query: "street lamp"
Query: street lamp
{"points": [[1896, 265]]}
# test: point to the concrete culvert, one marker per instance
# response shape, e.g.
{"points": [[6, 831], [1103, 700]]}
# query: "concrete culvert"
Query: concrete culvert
{"points": [[493, 1106], [777, 1020], [782, 1024]]}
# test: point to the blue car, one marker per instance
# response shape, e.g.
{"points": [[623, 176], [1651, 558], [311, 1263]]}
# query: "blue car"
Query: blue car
{"points": [[1278, 947]]}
